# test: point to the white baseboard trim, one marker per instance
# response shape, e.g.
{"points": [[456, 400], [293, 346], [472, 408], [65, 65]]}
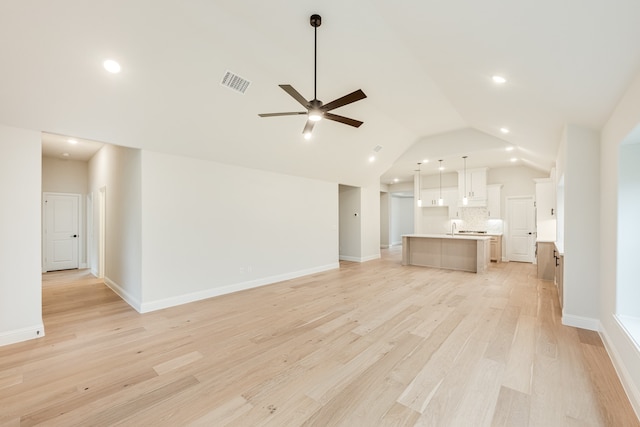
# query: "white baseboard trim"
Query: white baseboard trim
{"points": [[623, 373], [384, 246], [126, 296], [83, 265], [359, 259], [370, 257], [23, 334], [580, 322], [214, 292]]}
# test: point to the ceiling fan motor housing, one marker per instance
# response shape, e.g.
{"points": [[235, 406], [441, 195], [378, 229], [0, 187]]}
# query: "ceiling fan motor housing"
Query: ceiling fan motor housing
{"points": [[315, 21]]}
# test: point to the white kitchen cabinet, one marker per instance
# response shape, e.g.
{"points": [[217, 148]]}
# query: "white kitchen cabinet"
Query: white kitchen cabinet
{"points": [[494, 200], [430, 197], [474, 187], [545, 199], [450, 196]]}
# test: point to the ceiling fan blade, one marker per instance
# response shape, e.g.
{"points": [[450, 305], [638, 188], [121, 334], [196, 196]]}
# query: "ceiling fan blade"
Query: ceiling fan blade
{"points": [[308, 127], [341, 119], [347, 99], [295, 95], [281, 114]]}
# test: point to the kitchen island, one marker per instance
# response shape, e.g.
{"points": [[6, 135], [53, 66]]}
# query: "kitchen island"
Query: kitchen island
{"points": [[452, 252]]}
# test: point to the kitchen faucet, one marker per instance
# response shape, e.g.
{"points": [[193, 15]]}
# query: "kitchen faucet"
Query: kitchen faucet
{"points": [[453, 227]]}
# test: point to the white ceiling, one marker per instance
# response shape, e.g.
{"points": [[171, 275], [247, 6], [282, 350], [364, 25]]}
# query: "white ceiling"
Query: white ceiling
{"points": [[61, 147], [425, 66]]}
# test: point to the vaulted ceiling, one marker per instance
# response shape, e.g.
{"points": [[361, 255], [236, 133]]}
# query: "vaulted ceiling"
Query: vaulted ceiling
{"points": [[426, 67]]}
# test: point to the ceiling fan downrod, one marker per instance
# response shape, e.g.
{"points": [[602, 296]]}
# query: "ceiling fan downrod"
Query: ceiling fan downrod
{"points": [[316, 21]]}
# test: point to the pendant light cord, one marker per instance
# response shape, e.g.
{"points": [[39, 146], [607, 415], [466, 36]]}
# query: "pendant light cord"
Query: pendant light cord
{"points": [[315, 60]]}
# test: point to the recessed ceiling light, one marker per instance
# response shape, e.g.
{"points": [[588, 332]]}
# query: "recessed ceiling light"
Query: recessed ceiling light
{"points": [[372, 159], [498, 80], [425, 161], [72, 141], [513, 159], [505, 130], [441, 168], [111, 66], [396, 179], [65, 154], [509, 148], [307, 135]]}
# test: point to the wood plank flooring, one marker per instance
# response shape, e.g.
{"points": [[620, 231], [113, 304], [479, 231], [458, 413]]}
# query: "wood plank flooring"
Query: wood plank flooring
{"points": [[372, 344]]}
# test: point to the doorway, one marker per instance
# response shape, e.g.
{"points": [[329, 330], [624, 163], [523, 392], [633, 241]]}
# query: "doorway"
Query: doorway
{"points": [[521, 229], [60, 231]]}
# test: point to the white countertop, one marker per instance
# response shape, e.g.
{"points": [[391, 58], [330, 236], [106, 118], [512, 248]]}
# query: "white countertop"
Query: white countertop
{"points": [[478, 234], [449, 236]]}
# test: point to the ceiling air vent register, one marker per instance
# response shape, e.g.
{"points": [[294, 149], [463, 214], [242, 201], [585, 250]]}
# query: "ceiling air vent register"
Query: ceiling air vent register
{"points": [[235, 82]]}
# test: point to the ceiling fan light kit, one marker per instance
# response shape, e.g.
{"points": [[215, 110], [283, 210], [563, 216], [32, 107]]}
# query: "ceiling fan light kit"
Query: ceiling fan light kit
{"points": [[316, 110]]}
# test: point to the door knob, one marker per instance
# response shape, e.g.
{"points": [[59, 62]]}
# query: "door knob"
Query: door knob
{"points": [[75, 235]]}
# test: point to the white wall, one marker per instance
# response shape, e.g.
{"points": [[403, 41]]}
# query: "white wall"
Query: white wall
{"points": [[516, 181], [20, 242], [350, 232], [581, 220], [65, 176], [210, 229], [118, 170], [624, 353], [385, 217], [402, 209], [370, 222]]}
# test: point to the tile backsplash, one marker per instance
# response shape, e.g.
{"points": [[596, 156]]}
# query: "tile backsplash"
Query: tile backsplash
{"points": [[477, 219], [474, 219], [436, 220]]}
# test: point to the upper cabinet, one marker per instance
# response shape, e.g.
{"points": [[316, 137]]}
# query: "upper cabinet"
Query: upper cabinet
{"points": [[430, 197], [545, 199], [494, 200], [473, 186], [546, 223], [450, 196]]}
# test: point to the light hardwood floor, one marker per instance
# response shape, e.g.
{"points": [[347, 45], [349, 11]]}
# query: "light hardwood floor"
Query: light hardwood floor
{"points": [[372, 344]]}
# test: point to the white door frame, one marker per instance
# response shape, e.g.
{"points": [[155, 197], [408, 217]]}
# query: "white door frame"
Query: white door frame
{"points": [[89, 228], [102, 231], [45, 194], [508, 228]]}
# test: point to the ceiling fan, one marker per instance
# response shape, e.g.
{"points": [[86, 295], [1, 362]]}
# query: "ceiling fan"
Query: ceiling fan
{"points": [[316, 110]]}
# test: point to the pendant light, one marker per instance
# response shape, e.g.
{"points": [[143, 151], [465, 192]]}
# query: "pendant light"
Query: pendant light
{"points": [[440, 200], [465, 199], [419, 188]]}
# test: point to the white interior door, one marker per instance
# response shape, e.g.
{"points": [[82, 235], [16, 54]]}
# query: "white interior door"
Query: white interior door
{"points": [[61, 231], [521, 234]]}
